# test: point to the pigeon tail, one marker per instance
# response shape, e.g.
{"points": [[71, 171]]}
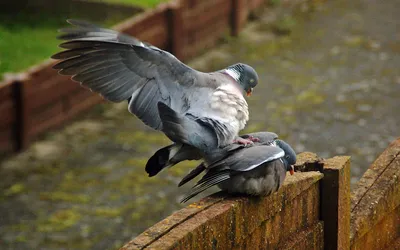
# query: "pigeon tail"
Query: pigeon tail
{"points": [[160, 159], [169, 156], [192, 174]]}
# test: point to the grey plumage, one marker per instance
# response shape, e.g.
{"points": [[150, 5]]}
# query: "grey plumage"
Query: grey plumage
{"points": [[169, 156], [120, 67], [173, 154], [186, 130], [255, 170]]}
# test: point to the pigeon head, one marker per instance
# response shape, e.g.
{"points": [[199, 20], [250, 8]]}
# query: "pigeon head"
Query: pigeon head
{"points": [[290, 156], [245, 75]]}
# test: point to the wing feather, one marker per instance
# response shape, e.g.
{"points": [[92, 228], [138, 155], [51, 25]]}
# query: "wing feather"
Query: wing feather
{"points": [[203, 185], [120, 67]]}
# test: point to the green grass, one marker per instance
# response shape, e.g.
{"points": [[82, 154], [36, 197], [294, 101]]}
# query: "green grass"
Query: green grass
{"points": [[141, 3], [29, 37], [23, 47]]}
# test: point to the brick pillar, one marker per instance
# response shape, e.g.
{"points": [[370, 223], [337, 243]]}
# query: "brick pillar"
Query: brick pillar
{"points": [[335, 202]]}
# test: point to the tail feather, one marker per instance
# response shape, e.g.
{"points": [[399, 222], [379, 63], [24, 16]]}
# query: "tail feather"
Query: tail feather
{"points": [[169, 156], [192, 174], [160, 160]]}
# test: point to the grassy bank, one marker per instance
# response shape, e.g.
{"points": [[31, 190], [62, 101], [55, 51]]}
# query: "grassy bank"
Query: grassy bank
{"points": [[28, 35]]}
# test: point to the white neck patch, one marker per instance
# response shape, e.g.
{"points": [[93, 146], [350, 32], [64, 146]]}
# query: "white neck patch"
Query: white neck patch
{"points": [[233, 73]]}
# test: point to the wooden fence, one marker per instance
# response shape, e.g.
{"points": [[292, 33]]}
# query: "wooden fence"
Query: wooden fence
{"points": [[313, 210], [40, 99]]}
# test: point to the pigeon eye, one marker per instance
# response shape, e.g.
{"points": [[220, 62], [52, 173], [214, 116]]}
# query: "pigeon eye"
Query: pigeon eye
{"points": [[251, 80]]}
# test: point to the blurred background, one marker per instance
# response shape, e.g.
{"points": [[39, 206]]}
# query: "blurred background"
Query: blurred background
{"points": [[329, 83]]}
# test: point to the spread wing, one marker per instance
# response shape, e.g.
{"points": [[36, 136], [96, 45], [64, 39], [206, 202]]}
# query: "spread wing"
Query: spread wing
{"points": [[120, 67]]}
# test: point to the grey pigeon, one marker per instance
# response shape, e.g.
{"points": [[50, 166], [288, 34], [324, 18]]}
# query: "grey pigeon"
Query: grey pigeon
{"points": [[262, 138], [255, 170], [120, 67], [173, 154]]}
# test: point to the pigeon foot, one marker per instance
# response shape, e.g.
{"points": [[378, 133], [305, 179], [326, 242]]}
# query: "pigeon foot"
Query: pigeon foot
{"points": [[253, 139], [243, 141]]}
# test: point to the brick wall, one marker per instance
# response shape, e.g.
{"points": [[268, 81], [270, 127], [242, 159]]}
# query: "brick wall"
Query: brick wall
{"points": [[292, 218], [311, 211], [375, 208]]}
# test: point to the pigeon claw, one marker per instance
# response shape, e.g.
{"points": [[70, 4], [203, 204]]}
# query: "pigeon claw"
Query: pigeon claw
{"points": [[243, 141], [253, 139]]}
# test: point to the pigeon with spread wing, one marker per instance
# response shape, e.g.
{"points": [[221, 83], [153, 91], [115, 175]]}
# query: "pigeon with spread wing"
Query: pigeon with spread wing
{"points": [[120, 67]]}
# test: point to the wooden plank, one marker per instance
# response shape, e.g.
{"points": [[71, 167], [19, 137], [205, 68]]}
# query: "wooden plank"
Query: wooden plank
{"points": [[157, 35], [204, 20], [189, 4], [7, 111], [7, 139], [238, 16], [335, 202], [205, 38], [177, 37], [138, 24], [82, 101], [44, 119], [151, 26], [202, 8], [78, 96], [49, 91], [39, 74], [7, 103], [6, 89], [255, 4], [61, 111], [216, 30]]}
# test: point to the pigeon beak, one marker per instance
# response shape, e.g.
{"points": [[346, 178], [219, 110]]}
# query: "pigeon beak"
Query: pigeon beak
{"points": [[248, 93], [291, 171]]}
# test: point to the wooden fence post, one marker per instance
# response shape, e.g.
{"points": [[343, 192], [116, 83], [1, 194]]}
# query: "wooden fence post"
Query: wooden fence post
{"points": [[335, 202], [19, 118], [175, 30], [22, 116], [238, 16]]}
